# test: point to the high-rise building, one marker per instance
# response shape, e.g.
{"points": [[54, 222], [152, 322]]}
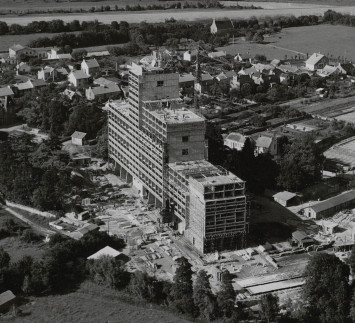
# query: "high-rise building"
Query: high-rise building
{"points": [[159, 145]]}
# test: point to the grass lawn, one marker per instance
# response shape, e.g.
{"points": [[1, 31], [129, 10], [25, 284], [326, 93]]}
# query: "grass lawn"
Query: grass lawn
{"points": [[92, 304]]}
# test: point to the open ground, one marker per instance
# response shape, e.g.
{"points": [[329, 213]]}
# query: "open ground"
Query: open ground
{"points": [[333, 41], [179, 14]]}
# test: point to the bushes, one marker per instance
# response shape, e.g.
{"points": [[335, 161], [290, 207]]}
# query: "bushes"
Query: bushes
{"points": [[30, 236]]}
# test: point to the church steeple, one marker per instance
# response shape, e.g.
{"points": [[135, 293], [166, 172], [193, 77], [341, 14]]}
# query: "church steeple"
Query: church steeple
{"points": [[213, 27]]}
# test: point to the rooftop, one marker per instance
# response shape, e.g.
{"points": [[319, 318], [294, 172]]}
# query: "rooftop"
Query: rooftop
{"points": [[314, 59], [78, 135], [91, 63], [107, 251], [79, 75], [5, 91], [6, 297], [284, 196], [334, 201]]}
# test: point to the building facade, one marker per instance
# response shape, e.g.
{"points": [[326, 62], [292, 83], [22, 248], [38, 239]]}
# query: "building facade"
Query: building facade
{"points": [[159, 145]]}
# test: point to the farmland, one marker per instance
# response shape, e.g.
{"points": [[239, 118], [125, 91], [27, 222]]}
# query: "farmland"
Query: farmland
{"points": [[302, 40], [178, 14]]}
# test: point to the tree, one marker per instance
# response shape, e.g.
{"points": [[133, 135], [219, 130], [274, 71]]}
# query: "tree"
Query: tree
{"points": [[226, 295], [269, 306], [182, 290], [327, 289], [351, 261], [4, 259], [301, 165], [203, 296]]}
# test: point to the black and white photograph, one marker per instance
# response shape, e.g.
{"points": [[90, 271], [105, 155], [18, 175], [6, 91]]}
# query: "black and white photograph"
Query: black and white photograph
{"points": [[172, 161]]}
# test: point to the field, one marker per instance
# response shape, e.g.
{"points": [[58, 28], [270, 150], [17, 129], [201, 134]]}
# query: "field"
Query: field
{"points": [[179, 14], [91, 304], [330, 40], [7, 41]]}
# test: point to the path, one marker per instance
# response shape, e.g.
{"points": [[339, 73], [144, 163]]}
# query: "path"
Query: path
{"points": [[286, 49], [37, 227]]}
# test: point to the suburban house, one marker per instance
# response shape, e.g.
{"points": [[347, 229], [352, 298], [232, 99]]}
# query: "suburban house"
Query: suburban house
{"points": [[346, 68], [28, 86], [23, 68], [6, 59], [78, 138], [190, 55], [104, 92], [7, 299], [235, 140], [226, 76], [58, 54], [78, 78], [316, 62], [284, 198], [330, 206], [266, 142], [302, 239], [90, 66], [18, 50], [242, 58], [328, 70], [52, 74]]}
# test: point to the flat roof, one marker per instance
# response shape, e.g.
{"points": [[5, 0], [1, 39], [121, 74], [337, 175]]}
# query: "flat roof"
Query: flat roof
{"points": [[176, 116]]}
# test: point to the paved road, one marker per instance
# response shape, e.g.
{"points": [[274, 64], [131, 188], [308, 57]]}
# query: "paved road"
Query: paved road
{"points": [[181, 14]]}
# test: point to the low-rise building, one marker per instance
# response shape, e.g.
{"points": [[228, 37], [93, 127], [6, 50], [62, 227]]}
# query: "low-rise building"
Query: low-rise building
{"points": [[78, 138], [302, 239], [190, 55], [90, 66], [235, 141], [78, 79], [330, 206], [104, 92], [23, 68], [7, 299], [316, 62], [284, 198], [30, 85]]}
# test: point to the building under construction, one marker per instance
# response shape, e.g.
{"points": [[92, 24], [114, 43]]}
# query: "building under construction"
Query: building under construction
{"points": [[159, 145]]}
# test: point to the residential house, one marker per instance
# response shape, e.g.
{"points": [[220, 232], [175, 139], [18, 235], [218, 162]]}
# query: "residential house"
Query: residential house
{"points": [[6, 59], [239, 80], [23, 68], [7, 300], [226, 76], [78, 138], [328, 70], [52, 74], [346, 68], [104, 92], [206, 80], [316, 62], [90, 66], [30, 85], [235, 140], [275, 62], [58, 54], [302, 239], [330, 206], [284, 198], [190, 55], [102, 81], [78, 79], [18, 50], [242, 58], [266, 142]]}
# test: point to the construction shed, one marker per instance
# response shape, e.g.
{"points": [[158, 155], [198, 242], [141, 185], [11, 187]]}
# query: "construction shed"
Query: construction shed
{"points": [[302, 239], [330, 206], [284, 198], [78, 138], [7, 299]]}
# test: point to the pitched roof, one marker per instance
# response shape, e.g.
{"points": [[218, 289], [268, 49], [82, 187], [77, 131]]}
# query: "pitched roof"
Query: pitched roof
{"points": [[206, 77], [78, 135], [79, 75], [5, 91], [284, 196], [237, 137], [288, 68], [314, 59], [17, 47], [334, 201], [217, 54], [103, 81], [263, 142], [101, 53], [87, 228], [64, 56], [91, 63], [6, 297], [186, 78], [107, 251]]}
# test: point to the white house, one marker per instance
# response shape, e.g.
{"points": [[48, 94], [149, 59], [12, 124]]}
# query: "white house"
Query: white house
{"points": [[23, 68], [235, 141], [190, 55], [105, 92], [90, 66], [78, 78], [316, 62]]}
